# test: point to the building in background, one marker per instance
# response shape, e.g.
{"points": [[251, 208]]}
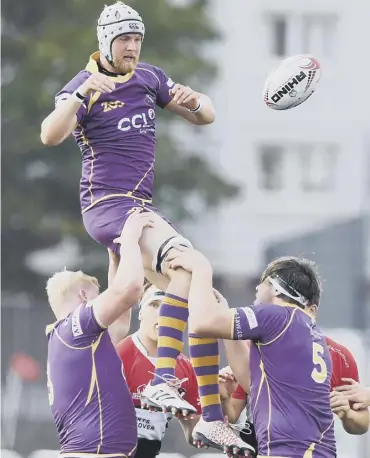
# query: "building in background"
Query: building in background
{"points": [[302, 169]]}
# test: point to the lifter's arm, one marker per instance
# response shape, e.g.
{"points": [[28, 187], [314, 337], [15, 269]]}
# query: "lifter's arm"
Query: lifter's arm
{"points": [[208, 317], [127, 285], [211, 319], [62, 121], [120, 328]]}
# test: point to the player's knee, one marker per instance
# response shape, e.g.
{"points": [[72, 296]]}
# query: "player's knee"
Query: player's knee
{"points": [[165, 248]]}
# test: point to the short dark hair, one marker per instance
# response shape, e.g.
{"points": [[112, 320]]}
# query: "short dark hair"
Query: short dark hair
{"points": [[297, 274]]}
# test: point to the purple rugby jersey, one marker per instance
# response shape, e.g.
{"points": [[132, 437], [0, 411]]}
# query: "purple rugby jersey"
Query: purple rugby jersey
{"points": [[116, 133], [88, 394], [290, 369]]}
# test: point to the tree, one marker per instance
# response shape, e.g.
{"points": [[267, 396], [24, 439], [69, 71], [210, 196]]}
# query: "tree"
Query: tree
{"points": [[43, 44]]}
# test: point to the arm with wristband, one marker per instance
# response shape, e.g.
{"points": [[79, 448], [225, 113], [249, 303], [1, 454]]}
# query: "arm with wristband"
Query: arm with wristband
{"points": [[71, 106]]}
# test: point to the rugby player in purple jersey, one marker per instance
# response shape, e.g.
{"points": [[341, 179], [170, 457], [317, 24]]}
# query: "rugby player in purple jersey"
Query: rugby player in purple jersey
{"points": [[88, 394], [110, 107], [290, 364]]}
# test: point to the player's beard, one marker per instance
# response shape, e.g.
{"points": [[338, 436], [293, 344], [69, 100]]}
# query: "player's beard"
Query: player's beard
{"points": [[123, 66]]}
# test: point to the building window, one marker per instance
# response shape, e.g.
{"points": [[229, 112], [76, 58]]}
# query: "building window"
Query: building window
{"points": [[301, 34], [318, 34], [271, 159], [278, 26], [318, 167]]}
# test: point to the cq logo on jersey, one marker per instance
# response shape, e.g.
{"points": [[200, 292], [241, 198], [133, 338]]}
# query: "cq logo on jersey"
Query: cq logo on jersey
{"points": [[133, 26], [138, 121]]}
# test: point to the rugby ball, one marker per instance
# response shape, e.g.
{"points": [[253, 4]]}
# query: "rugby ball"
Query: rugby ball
{"points": [[293, 82]]}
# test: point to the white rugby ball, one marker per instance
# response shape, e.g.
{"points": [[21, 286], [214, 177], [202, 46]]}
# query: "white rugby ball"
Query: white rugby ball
{"points": [[293, 82]]}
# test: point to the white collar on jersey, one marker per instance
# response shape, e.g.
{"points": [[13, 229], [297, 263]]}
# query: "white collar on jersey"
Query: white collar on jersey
{"points": [[141, 348]]}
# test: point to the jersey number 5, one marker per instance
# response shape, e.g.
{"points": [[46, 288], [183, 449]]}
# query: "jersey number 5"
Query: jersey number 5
{"points": [[50, 386], [320, 372]]}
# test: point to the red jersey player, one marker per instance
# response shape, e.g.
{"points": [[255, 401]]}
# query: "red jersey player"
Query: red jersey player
{"points": [[138, 354]]}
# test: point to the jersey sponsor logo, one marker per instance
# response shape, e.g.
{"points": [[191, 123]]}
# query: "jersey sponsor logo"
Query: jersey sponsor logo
{"points": [[139, 390], [141, 121], [251, 317], [109, 106], [340, 353], [238, 325], [170, 83], [143, 423], [76, 324]]}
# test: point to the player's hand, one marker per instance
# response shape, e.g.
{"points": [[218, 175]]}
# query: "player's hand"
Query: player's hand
{"points": [[187, 258], [355, 393], [185, 96], [227, 383], [339, 404], [97, 82], [134, 226]]}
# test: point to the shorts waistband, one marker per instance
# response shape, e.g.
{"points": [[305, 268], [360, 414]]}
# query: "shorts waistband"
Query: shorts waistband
{"points": [[112, 196]]}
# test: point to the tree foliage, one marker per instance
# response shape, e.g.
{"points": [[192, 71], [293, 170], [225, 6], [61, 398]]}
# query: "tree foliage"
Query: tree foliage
{"points": [[44, 45]]}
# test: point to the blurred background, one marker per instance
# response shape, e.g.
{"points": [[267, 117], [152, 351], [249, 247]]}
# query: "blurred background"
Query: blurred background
{"points": [[255, 185]]}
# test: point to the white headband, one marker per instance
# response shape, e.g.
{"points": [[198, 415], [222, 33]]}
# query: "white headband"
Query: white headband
{"points": [[279, 289], [152, 294]]}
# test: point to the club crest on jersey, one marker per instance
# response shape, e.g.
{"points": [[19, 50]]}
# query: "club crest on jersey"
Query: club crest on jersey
{"points": [[170, 83], [150, 99]]}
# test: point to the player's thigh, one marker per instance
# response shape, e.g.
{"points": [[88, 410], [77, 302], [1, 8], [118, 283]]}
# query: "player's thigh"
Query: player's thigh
{"points": [[154, 237], [105, 221]]}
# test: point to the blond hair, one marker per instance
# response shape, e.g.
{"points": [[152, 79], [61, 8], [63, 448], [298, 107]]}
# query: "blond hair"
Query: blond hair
{"points": [[62, 284]]}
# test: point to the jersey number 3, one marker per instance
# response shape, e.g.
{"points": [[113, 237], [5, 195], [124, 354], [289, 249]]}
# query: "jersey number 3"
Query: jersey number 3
{"points": [[320, 372]]}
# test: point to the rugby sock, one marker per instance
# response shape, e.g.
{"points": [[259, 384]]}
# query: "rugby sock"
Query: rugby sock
{"points": [[173, 317], [205, 359]]}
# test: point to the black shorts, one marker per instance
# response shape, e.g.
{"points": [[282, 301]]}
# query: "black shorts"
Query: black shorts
{"points": [[147, 448]]}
